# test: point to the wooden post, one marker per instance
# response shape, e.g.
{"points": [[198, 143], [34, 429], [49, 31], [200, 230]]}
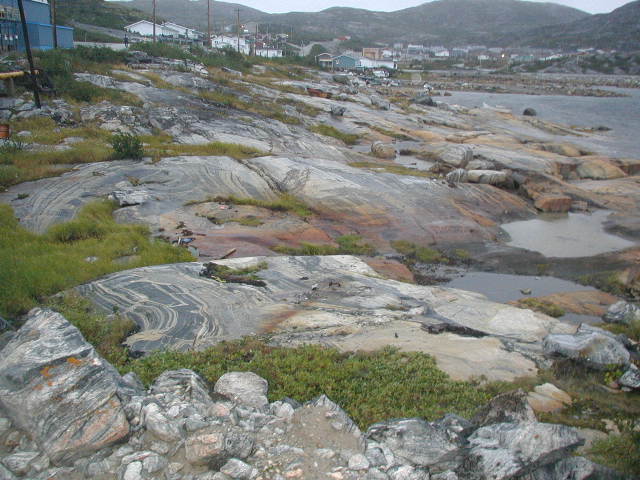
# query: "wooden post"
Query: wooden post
{"points": [[154, 21], [54, 23], [208, 23], [27, 45]]}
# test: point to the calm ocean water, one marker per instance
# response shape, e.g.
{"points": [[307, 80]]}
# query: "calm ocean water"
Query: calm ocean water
{"points": [[621, 114]]}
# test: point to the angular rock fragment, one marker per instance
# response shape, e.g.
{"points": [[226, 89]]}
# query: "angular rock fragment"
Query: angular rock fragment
{"points": [[457, 156], [507, 450], [630, 378], [509, 407], [55, 386], [126, 198], [575, 468], [552, 203], [589, 345], [383, 150], [415, 441], [245, 388], [622, 312]]}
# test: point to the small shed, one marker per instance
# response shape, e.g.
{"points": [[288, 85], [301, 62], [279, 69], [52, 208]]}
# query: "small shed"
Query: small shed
{"points": [[346, 62]]}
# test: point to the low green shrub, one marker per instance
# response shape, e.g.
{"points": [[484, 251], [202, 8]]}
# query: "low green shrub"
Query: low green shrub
{"points": [[370, 386], [127, 145], [416, 253]]}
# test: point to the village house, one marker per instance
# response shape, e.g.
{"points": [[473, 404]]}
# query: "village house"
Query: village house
{"points": [[166, 30], [226, 41]]}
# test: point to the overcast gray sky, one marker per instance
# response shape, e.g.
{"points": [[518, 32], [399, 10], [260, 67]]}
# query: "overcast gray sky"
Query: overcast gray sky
{"points": [[277, 6]]}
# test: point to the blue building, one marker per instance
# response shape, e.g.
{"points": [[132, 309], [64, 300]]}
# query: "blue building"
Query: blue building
{"points": [[38, 16]]}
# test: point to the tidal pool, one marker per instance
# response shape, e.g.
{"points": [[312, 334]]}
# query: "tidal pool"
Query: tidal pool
{"points": [[505, 288], [565, 235]]}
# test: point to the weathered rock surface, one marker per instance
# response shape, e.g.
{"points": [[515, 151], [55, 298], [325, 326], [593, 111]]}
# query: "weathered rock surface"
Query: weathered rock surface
{"points": [[630, 378], [54, 385], [382, 150], [548, 398], [510, 407], [457, 156], [593, 346], [245, 388], [553, 203], [622, 312], [507, 450], [323, 299]]}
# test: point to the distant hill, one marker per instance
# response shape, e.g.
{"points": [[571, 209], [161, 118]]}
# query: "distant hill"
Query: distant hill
{"points": [[97, 12], [619, 29], [443, 21]]}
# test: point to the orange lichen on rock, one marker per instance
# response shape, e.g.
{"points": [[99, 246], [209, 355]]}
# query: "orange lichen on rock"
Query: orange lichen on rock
{"points": [[74, 361]]}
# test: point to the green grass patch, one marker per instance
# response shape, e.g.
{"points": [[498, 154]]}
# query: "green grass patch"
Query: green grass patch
{"points": [[301, 107], [284, 203], [391, 133], [159, 146], [105, 333], [393, 168], [32, 266], [416, 253], [632, 330], [248, 221], [620, 452], [329, 131], [224, 273], [541, 306], [347, 245], [260, 106], [370, 386]]}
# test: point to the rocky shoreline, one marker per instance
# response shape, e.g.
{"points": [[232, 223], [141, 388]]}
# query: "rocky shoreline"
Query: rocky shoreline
{"points": [[67, 414], [332, 212]]}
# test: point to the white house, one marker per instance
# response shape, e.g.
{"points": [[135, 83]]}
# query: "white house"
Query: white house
{"points": [[186, 32], [268, 53], [225, 41], [369, 63], [145, 28]]}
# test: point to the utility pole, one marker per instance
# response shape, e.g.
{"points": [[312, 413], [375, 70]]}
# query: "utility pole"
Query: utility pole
{"points": [[154, 21], [54, 23], [208, 23], [238, 27], [27, 46]]}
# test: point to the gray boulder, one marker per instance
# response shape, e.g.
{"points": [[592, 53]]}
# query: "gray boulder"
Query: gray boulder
{"points": [[631, 378], [529, 112], [487, 177], [575, 468], [244, 388], [383, 150], [457, 156], [459, 175], [622, 312], [380, 103], [55, 386], [415, 441], [338, 111], [425, 99], [508, 450], [593, 346], [510, 407], [126, 198]]}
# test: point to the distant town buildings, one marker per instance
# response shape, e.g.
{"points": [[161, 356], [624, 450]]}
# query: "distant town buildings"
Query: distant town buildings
{"points": [[166, 31]]}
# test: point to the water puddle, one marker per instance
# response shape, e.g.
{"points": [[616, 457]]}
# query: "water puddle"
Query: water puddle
{"points": [[404, 156], [505, 288], [565, 235]]}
